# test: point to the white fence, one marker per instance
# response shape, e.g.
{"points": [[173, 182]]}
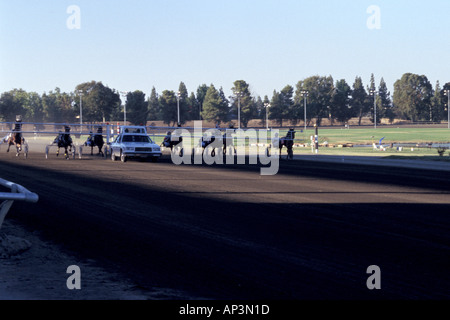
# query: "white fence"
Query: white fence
{"points": [[18, 193]]}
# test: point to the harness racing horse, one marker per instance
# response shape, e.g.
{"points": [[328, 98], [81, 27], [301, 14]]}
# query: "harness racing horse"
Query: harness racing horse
{"points": [[172, 144], [96, 140], [288, 142], [227, 141], [64, 140], [16, 138]]}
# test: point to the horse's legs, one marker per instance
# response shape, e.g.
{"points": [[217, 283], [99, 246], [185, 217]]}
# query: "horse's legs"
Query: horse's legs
{"points": [[57, 152], [290, 155]]}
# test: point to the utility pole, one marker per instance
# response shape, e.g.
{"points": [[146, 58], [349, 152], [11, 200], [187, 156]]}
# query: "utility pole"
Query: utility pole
{"points": [[305, 94], [374, 93], [80, 93], [178, 108], [267, 105], [447, 93], [124, 94]]}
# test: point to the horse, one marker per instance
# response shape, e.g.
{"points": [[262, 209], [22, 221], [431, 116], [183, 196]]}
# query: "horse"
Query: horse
{"points": [[288, 142], [227, 141], [15, 138], [64, 140], [96, 140], [170, 143]]}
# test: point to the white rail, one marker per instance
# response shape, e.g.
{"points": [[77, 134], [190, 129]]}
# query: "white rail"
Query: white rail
{"points": [[18, 193]]}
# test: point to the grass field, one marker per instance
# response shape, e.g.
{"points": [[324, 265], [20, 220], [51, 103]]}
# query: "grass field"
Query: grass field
{"points": [[369, 136], [406, 153]]}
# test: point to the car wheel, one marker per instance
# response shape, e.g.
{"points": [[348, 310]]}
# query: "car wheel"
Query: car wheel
{"points": [[123, 157]]}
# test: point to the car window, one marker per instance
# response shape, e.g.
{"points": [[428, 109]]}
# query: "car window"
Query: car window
{"points": [[135, 138]]}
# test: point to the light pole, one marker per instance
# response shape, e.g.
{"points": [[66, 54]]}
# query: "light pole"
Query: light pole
{"points": [[178, 107], [374, 93], [238, 95], [80, 93], [304, 94], [267, 105], [124, 94], [447, 93]]}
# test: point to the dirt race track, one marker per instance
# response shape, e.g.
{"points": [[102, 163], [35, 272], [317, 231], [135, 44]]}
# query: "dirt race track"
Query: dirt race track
{"points": [[226, 232]]}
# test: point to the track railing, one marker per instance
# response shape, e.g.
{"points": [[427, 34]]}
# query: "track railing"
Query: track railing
{"points": [[18, 193]]}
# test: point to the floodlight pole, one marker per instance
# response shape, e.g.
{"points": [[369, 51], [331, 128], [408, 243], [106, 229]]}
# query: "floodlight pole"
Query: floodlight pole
{"points": [[267, 105], [374, 93], [238, 95], [178, 107], [305, 94], [80, 93], [447, 93], [124, 94]]}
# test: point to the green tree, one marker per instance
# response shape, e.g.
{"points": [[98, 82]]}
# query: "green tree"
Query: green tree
{"points": [[260, 110], [12, 103], [193, 109], [34, 108], [59, 107], [137, 108], [276, 111], [359, 100], [384, 103], [320, 96], [340, 103], [214, 108], [412, 96], [371, 90], [287, 101], [98, 101], [168, 102], [201, 93], [154, 108], [225, 105], [437, 104], [243, 100], [183, 96], [52, 109]]}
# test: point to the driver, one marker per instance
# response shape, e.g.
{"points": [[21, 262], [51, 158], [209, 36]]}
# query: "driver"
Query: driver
{"points": [[66, 135], [18, 130], [167, 139], [90, 139]]}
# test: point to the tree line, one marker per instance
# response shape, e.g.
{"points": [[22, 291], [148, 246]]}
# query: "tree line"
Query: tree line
{"points": [[414, 98]]}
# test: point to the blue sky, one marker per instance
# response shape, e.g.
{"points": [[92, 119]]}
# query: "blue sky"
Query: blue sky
{"points": [[137, 44]]}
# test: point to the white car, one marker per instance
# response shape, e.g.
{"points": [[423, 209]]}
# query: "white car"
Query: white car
{"points": [[134, 142]]}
